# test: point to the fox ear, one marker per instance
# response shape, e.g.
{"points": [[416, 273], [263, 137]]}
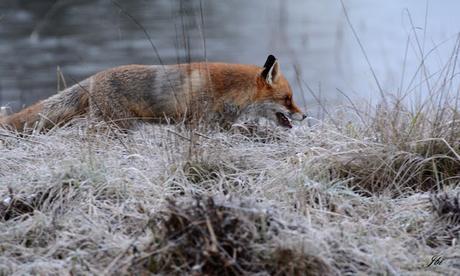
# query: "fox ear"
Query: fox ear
{"points": [[271, 70]]}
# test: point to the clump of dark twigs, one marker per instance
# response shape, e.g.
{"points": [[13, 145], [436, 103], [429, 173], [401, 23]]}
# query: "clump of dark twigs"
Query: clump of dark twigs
{"points": [[446, 223], [203, 237]]}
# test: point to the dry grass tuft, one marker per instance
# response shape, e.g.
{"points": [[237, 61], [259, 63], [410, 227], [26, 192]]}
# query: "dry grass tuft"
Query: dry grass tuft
{"points": [[18, 205], [199, 172], [13, 206], [203, 237], [396, 151], [446, 222]]}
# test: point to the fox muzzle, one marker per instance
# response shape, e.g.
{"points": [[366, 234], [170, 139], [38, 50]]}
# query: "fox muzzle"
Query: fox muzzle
{"points": [[298, 116]]}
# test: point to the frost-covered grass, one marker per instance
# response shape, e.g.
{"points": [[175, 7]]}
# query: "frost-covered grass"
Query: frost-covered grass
{"points": [[375, 196]]}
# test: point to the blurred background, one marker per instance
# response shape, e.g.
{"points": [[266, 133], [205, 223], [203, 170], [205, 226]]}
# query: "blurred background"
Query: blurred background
{"points": [[406, 41]]}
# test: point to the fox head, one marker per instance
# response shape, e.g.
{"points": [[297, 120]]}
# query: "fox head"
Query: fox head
{"points": [[273, 87], [270, 111]]}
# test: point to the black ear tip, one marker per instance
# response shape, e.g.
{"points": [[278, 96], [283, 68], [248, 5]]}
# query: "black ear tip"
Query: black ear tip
{"points": [[270, 61]]}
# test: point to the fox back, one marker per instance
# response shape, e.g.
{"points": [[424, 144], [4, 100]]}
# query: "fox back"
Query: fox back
{"points": [[156, 92]]}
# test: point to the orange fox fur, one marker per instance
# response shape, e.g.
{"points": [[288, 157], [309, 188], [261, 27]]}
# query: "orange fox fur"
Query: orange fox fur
{"points": [[145, 92]]}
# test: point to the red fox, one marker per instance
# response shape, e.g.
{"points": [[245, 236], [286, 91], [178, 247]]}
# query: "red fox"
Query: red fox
{"points": [[155, 92]]}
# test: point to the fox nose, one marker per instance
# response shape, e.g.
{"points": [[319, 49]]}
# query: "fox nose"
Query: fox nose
{"points": [[304, 116]]}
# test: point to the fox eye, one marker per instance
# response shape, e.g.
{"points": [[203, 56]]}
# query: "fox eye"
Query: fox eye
{"points": [[287, 100]]}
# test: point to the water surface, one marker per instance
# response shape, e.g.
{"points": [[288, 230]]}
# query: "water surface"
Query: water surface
{"points": [[81, 37]]}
